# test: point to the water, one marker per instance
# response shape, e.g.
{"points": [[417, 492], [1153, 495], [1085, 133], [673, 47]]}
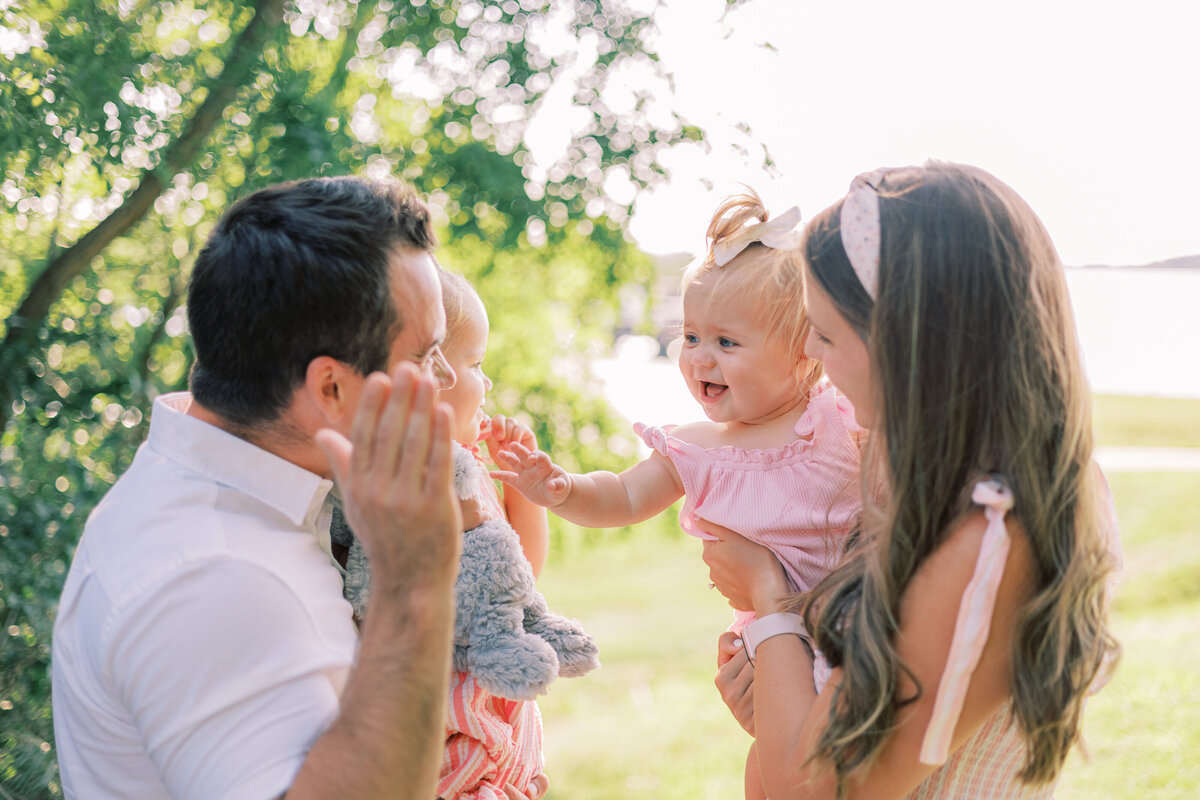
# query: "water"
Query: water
{"points": [[1140, 330]]}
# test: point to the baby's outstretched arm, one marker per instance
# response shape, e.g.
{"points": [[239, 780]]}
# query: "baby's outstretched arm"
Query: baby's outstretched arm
{"points": [[596, 499]]}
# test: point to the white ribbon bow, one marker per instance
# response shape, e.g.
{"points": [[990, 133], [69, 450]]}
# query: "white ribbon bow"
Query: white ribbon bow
{"points": [[779, 233]]}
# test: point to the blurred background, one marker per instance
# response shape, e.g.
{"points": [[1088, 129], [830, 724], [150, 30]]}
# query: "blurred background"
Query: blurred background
{"points": [[573, 151]]}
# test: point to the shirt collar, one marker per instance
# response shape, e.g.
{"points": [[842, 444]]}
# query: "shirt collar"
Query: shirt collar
{"points": [[227, 459]]}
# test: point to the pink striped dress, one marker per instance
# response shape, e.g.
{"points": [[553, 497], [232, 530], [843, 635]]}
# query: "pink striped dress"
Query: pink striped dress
{"points": [[800, 500]]}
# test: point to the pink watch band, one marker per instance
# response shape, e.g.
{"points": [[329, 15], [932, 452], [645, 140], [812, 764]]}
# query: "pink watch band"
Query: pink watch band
{"points": [[764, 628]]}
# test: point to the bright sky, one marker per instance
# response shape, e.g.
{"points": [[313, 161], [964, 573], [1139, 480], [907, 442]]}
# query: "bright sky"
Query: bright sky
{"points": [[1090, 110]]}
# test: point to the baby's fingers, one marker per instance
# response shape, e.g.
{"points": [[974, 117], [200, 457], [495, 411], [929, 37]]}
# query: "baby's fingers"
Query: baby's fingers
{"points": [[728, 646], [521, 451], [501, 428], [509, 459], [509, 478]]}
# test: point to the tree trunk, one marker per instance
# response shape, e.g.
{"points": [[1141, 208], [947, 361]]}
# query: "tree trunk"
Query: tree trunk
{"points": [[73, 261]]}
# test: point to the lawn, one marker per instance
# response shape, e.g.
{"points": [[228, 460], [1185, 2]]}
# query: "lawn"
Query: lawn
{"points": [[1123, 420], [650, 724]]}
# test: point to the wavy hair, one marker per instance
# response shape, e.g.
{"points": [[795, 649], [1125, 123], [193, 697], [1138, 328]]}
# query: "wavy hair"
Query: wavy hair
{"points": [[774, 278], [976, 369]]}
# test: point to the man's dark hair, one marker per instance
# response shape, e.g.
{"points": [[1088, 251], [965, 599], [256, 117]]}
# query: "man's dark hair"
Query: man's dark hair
{"points": [[293, 272]]}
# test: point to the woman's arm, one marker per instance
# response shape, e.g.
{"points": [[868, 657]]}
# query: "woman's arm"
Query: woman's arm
{"points": [[789, 718]]}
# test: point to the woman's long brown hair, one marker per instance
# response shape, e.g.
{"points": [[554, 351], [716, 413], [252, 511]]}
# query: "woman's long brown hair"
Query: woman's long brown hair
{"points": [[976, 370]]}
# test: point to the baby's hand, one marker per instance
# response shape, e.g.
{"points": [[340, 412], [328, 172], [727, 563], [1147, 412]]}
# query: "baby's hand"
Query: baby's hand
{"points": [[533, 474], [503, 431], [474, 513]]}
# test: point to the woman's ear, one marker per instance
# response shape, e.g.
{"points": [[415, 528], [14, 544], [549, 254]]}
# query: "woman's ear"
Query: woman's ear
{"points": [[332, 386]]}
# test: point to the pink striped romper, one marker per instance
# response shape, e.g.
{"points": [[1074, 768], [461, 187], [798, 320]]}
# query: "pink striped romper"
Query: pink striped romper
{"points": [[800, 500], [985, 767], [491, 742]]}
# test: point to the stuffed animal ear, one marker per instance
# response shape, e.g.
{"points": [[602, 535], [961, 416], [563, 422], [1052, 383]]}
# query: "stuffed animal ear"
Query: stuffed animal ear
{"points": [[466, 473]]}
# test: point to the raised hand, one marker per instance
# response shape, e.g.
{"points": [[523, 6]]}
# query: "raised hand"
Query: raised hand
{"points": [[395, 478], [533, 474]]}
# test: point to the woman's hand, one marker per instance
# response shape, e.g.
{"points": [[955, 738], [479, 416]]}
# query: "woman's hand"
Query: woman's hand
{"points": [[748, 574], [735, 679]]}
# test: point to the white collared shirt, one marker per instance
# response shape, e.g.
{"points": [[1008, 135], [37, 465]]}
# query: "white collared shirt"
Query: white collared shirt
{"points": [[202, 641]]}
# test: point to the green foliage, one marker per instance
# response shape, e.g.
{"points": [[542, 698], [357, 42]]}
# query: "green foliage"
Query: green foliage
{"points": [[92, 95]]}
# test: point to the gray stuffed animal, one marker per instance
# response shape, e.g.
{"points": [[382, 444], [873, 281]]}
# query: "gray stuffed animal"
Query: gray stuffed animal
{"points": [[504, 634]]}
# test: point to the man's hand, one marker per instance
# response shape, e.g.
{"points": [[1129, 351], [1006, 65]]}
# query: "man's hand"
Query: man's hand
{"points": [[395, 478], [533, 474]]}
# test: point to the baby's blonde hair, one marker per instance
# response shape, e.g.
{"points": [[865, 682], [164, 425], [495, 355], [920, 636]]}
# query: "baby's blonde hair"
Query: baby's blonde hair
{"points": [[773, 278], [457, 297]]}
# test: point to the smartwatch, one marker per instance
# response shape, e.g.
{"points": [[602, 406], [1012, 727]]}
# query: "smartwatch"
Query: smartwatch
{"points": [[764, 628]]}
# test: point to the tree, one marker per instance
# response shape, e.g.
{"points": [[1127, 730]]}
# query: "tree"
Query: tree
{"points": [[127, 125]]}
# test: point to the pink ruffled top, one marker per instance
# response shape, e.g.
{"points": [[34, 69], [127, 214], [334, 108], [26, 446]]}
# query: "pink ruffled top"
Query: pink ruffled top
{"points": [[799, 500]]}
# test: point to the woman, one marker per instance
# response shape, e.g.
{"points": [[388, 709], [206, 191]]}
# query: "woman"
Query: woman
{"points": [[957, 642]]}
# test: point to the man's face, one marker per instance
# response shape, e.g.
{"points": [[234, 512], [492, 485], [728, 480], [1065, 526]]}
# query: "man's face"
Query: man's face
{"points": [[417, 294]]}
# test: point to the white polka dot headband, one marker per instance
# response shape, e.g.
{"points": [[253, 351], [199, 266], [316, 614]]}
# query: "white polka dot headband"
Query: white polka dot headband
{"points": [[860, 228], [779, 233]]}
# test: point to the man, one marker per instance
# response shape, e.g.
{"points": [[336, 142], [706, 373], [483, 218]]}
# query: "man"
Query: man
{"points": [[202, 647]]}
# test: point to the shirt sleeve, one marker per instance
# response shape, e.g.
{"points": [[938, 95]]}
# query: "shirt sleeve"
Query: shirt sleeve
{"points": [[229, 679]]}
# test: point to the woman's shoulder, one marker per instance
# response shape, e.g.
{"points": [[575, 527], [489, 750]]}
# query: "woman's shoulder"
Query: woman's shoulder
{"points": [[983, 551]]}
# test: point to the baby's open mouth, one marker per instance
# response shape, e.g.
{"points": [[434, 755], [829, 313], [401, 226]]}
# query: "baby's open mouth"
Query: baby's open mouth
{"points": [[712, 389]]}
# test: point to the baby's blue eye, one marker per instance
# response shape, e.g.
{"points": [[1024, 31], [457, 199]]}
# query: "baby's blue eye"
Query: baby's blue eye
{"points": [[690, 338], [727, 342]]}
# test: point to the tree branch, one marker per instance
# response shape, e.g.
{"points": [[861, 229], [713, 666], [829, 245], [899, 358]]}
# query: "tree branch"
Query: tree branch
{"points": [[71, 262]]}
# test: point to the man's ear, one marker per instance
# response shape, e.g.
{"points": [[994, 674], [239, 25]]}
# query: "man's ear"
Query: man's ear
{"points": [[332, 387]]}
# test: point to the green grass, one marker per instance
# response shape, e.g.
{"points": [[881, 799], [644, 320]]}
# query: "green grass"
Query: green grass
{"points": [[1142, 731], [1146, 421], [650, 723]]}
